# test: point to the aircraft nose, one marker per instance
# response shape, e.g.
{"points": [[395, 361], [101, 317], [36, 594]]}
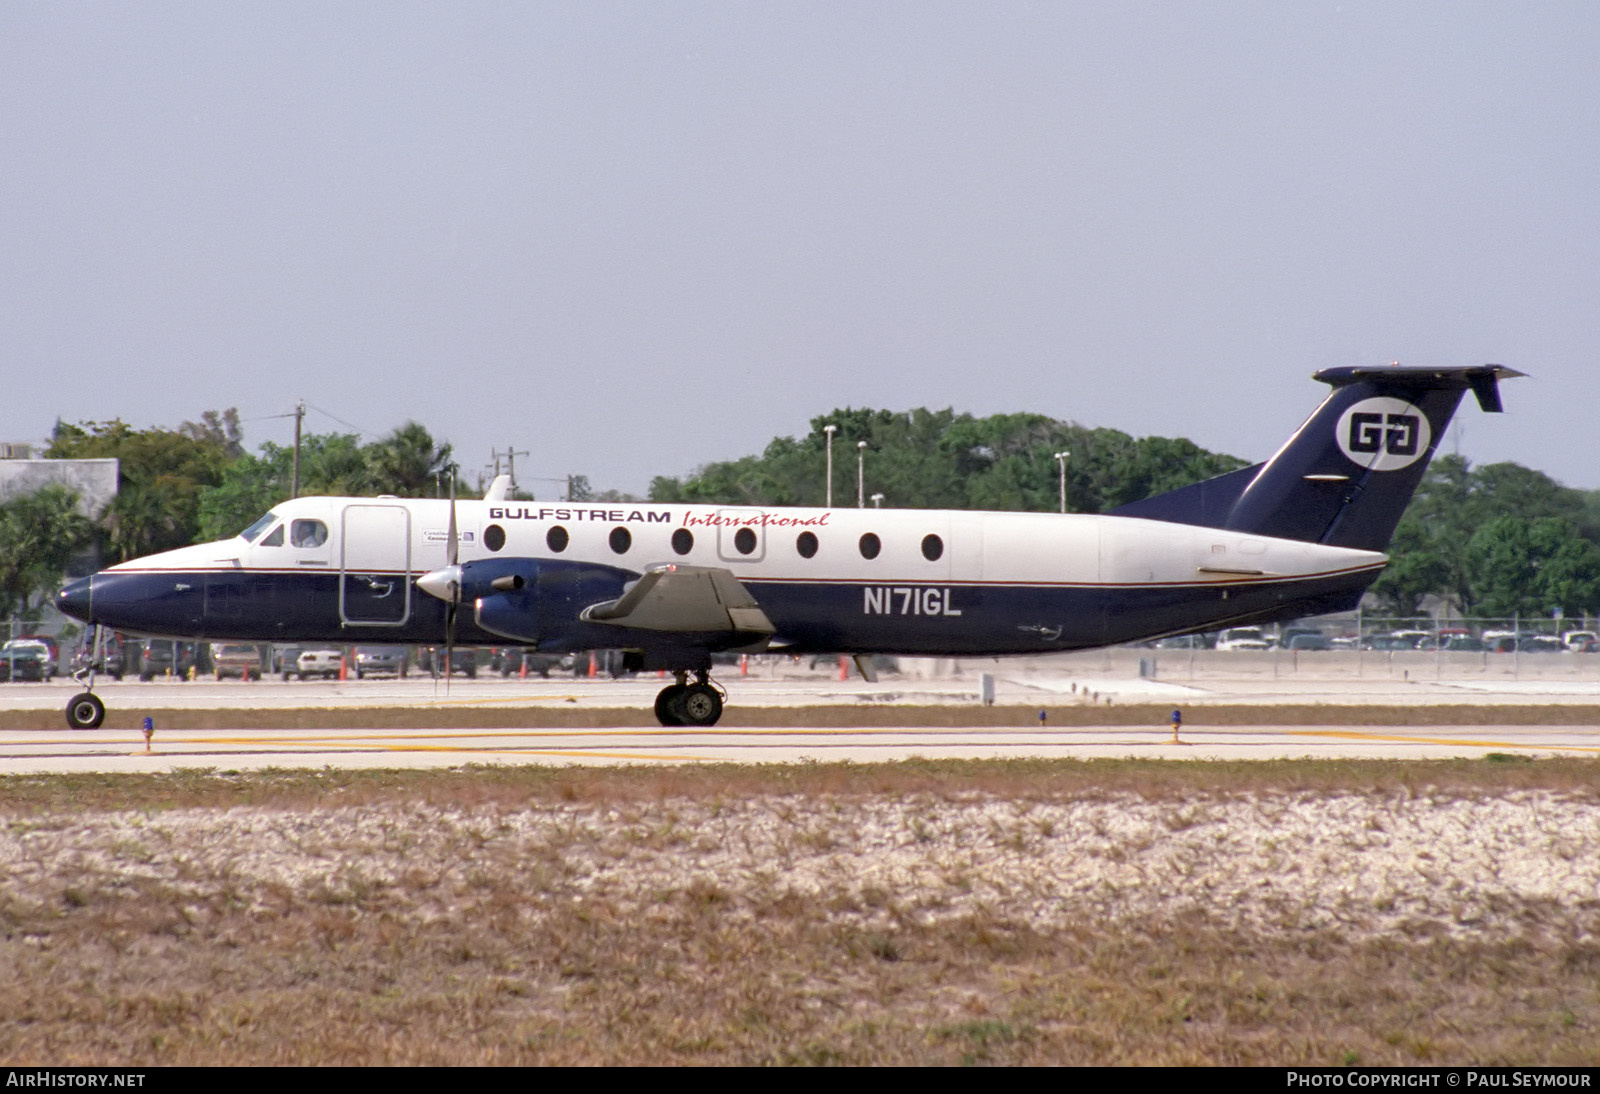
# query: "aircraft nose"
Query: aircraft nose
{"points": [[76, 599]]}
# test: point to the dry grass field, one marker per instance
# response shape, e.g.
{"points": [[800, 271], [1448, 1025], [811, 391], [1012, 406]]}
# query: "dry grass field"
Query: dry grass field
{"points": [[929, 913]]}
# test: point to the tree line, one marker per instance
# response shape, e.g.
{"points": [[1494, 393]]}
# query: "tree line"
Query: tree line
{"points": [[1495, 540], [1498, 540], [189, 485]]}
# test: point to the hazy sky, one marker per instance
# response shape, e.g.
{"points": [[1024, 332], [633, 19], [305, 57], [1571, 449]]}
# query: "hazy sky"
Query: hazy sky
{"points": [[634, 238]]}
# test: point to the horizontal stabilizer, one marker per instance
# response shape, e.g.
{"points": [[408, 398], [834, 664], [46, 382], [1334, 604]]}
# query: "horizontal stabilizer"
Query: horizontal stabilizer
{"points": [[688, 600]]}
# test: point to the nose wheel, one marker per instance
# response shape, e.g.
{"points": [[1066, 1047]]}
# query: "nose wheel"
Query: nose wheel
{"points": [[686, 704], [85, 711]]}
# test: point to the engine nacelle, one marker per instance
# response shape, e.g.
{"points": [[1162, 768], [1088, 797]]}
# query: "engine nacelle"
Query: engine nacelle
{"points": [[534, 601], [495, 576]]}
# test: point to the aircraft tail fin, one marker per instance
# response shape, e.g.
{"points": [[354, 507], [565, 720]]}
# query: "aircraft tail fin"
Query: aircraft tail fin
{"points": [[1345, 477]]}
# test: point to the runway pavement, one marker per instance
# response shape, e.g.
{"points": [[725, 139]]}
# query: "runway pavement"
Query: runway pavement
{"points": [[125, 750], [615, 709]]}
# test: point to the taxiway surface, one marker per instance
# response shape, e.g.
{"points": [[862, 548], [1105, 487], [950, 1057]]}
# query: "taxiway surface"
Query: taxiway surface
{"points": [[245, 725], [125, 750]]}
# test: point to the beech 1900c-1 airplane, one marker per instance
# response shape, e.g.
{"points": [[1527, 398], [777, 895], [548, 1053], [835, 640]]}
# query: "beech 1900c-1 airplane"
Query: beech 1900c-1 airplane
{"points": [[671, 585]]}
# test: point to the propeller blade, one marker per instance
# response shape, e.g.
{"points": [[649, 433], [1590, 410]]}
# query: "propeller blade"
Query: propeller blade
{"points": [[454, 547], [455, 588]]}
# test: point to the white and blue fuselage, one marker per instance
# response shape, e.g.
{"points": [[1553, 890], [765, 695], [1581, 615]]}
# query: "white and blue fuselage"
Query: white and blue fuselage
{"points": [[830, 580]]}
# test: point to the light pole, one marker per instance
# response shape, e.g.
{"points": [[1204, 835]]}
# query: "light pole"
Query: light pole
{"points": [[861, 474], [829, 430], [1061, 458], [877, 501]]}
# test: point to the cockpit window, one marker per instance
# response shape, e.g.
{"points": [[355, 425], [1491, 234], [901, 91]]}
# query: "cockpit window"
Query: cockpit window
{"points": [[308, 533], [274, 538], [261, 525]]}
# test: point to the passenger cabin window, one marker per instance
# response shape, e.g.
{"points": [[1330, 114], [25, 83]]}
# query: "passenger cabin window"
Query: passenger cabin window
{"points": [[556, 539], [932, 548], [274, 538], [494, 537], [744, 541], [806, 544], [308, 533], [621, 539], [870, 546], [683, 541]]}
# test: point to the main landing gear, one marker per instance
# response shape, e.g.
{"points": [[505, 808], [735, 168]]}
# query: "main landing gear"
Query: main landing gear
{"points": [[686, 704]]}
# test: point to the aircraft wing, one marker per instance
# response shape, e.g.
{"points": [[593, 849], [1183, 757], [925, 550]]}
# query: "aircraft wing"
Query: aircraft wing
{"points": [[686, 600]]}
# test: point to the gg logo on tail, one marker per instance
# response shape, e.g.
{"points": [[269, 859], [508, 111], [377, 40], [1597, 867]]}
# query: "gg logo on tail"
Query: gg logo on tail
{"points": [[1383, 433]]}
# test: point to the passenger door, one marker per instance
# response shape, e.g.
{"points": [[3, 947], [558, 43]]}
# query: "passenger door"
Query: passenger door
{"points": [[375, 565]]}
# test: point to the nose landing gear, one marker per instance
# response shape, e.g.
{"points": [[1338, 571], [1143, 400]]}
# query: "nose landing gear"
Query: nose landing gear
{"points": [[85, 710], [686, 704]]}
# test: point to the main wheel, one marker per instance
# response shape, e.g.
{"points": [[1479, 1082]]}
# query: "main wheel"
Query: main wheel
{"points": [[85, 711], [699, 705], [667, 712]]}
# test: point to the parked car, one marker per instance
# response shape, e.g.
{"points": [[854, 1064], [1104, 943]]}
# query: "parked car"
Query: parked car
{"points": [[431, 658], [324, 662], [1286, 638], [1183, 642], [1391, 642], [382, 660], [509, 660], [1459, 642], [284, 659], [113, 657], [1244, 638], [21, 659], [165, 657], [235, 659], [49, 643]]}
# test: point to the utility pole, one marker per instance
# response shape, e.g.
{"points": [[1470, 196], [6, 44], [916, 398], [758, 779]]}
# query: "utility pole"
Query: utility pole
{"points": [[511, 455], [1061, 458], [299, 416], [861, 474], [511, 464], [830, 430]]}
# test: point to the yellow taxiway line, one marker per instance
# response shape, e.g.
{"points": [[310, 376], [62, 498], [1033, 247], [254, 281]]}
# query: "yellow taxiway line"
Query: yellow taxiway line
{"points": [[1394, 738]]}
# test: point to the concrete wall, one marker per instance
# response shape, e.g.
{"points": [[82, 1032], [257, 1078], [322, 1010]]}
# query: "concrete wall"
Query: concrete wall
{"points": [[94, 480], [1183, 666]]}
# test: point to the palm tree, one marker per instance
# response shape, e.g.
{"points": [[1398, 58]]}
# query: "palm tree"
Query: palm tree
{"points": [[407, 462]]}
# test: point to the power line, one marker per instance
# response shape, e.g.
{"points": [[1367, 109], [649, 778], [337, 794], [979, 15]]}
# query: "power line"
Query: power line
{"points": [[348, 425]]}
